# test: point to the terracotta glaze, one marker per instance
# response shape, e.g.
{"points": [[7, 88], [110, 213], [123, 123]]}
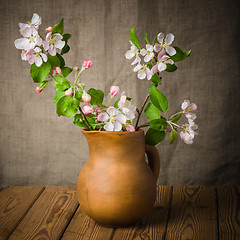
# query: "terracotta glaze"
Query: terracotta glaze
{"points": [[117, 187]]}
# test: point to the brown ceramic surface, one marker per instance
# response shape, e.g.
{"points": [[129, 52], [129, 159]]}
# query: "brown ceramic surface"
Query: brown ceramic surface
{"points": [[116, 187]]}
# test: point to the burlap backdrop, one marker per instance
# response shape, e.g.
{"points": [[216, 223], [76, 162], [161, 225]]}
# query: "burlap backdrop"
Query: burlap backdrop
{"points": [[38, 147]]}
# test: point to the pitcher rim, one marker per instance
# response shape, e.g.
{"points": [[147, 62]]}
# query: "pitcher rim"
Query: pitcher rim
{"points": [[112, 132]]}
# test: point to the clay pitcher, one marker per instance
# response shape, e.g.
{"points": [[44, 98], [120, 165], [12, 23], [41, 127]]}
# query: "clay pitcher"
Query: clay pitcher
{"points": [[117, 187]]}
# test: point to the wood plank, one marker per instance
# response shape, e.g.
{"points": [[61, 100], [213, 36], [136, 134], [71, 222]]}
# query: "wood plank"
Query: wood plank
{"points": [[153, 226], [83, 227], [229, 212], [193, 213], [14, 204], [49, 216]]}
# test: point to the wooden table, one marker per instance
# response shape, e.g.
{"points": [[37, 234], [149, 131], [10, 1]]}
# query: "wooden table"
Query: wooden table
{"points": [[180, 212]]}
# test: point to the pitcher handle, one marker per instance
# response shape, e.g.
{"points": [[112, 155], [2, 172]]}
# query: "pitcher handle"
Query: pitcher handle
{"points": [[153, 160]]}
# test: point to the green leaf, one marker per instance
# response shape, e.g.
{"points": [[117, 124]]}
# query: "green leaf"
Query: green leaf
{"points": [[116, 103], [155, 40], [158, 124], [78, 96], [59, 94], [171, 67], [78, 120], [156, 79], [173, 136], [61, 83], [66, 71], [62, 62], [66, 47], [146, 40], [58, 28], [96, 96], [39, 74], [43, 85], [134, 38], [54, 60], [154, 137], [180, 55], [174, 120], [158, 98], [152, 112], [67, 106]]}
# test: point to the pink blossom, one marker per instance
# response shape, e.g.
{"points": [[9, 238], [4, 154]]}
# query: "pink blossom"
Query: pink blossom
{"points": [[68, 93], [53, 42], [36, 56], [48, 29], [87, 110], [114, 90], [58, 70], [147, 53], [87, 63], [34, 23], [130, 128], [187, 107], [86, 97], [165, 44], [37, 90], [188, 134]]}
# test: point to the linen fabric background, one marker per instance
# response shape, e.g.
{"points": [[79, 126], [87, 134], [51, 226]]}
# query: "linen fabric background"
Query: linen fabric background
{"points": [[40, 148]]}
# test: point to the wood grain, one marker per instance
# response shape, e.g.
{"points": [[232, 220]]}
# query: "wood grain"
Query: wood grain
{"points": [[229, 212], [14, 204], [193, 213], [49, 216], [83, 227], [153, 226]]}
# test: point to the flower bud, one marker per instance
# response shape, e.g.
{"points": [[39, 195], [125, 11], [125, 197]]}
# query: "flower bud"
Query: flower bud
{"points": [[68, 93], [37, 90], [86, 97], [75, 68], [58, 70], [48, 29], [114, 90], [130, 128], [169, 128], [87, 110], [87, 64]]}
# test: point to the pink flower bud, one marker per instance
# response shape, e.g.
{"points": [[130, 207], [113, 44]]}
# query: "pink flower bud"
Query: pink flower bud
{"points": [[86, 97], [68, 93], [87, 110], [75, 68], [37, 90], [58, 70], [169, 128], [87, 64], [48, 29], [130, 128], [114, 90]]}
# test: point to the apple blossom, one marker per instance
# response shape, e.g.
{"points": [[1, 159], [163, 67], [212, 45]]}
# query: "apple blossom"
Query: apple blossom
{"points": [[161, 64], [36, 56], [126, 107], [53, 42], [37, 90], [86, 97], [87, 63], [113, 119], [114, 90], [187, 135], [132, 52], [165, 44], [29, 41], [58, 70], [87, 110], [35, 23], [187, 107], [143, 71], [130, 128], [148, 53], [68, 93], [24, 55]]}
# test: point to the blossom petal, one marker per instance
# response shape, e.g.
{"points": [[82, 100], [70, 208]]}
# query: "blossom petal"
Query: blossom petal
{"points": [[59, 44], [143, 51], [137, 68], [154, 69], [129, 54], [38, 61], [192, 106], [147, 58], [169, 39], [190, 116], [137, 60], [117, 126], [103, 117], [185, 104], [161, 67], [171, 51], [121, 118], [149, 73], [161, 54], [141, 74], [149, 47], [157, 47], [44, 57], [19, 43], [108, 126], [112, 111], [160, 38], [52, 51], [122, 101]]}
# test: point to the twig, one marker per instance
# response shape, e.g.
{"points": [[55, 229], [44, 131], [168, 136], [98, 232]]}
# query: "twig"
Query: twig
{"points": [[139, 113], [84, 119]]}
